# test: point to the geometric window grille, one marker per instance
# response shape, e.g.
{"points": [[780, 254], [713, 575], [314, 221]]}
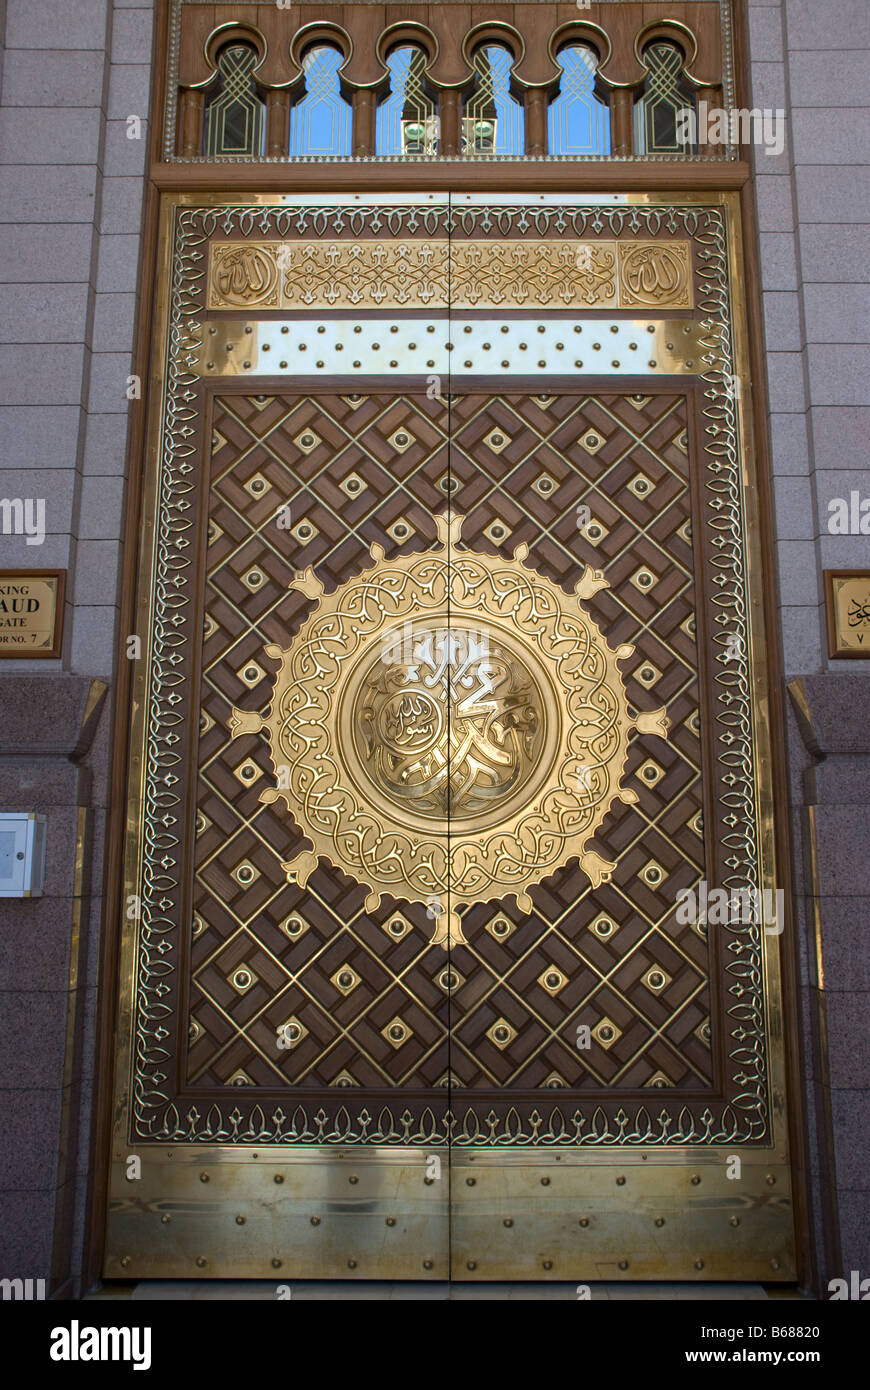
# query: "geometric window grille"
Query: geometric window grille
{"points": [[320, 123], [493, 122], [407, 117], [234, 122], [664, 114], [579, 121]]}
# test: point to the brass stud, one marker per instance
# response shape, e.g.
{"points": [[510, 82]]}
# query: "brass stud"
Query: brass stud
{"points": [[276, 1264], [428, 1181], [660, 1221], [548, 1264], [390, 1221], [472, 1264], [470, 1182], [623, 1264], [427, 1264], [584, 1221], [125, 1260], [351, 1264], [696, 1178], [774, 1264], [545, 1182], [166, 1218], [699, 1264], [508, 1221], [315, 1220], [204, 1177], [200, 1260], [770, 1180], [734, 1221], [353, 1181], [279, 1177], [240, 1220], [620, 1182]]}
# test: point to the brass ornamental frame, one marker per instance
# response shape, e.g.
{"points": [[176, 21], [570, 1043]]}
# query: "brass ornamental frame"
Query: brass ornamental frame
{"points": [[666, 1164]]}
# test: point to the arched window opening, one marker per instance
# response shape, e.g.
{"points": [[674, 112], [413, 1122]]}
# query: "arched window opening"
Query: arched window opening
{"points": [[665, 112], [579, 120], [407, 120], [493, 122], [320, 122], [234, 116]]}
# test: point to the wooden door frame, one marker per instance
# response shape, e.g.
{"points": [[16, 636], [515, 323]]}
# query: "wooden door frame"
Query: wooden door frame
{"points": [[518, 177]]}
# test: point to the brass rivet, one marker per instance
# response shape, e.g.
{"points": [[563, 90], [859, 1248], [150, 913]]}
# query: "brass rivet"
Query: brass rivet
{"points": [[276, 1264], [166, 1218], [427, 1264], [508, 1221], [770, 1180], [584, 1221], [472, 1264], [351, 1264], [545, 1182], [125, 1261], [200, 1260], [699, 1264], [352, 1181], [734, 1221], [660, 1221], [240, 1221], [695, 1179], [623, 1264], [204, 1177], [470, 1182], [548, 1264], [279, 1177], [620, 1182], [315, 1220], [391, 1220], [774, 1264]]}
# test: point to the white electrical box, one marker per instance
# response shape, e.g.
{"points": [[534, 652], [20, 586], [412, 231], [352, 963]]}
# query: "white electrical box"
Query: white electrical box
{"points": [[22, 854]]}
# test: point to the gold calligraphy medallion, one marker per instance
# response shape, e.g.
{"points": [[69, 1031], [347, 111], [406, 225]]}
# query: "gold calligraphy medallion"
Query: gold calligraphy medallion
{"points": [[449, 727]]}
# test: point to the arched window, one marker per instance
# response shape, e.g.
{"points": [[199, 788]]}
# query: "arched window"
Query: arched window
{"points": [[665, 113], [579, 121], [493, 120], [320, 123], [407, 117], [234, 123]]}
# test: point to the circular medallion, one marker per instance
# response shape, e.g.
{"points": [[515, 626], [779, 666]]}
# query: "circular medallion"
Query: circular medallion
{"points": [[448, 727]]}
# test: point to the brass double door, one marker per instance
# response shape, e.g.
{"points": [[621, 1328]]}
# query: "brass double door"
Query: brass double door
{"points": [[449, 596]]}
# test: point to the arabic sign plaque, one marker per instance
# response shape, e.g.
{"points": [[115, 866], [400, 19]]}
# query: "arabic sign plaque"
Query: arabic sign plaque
{"points": [[847, 599], [31, 613]]}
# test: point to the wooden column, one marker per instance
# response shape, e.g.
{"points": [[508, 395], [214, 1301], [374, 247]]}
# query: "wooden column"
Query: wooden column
{"points": [[363, 141], [448, 111], [536, 120], [190, 124], [712, 97], [278, 122], [621, 121]]}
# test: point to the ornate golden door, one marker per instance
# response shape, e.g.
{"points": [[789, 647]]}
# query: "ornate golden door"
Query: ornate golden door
{"points": [[449, 599]]}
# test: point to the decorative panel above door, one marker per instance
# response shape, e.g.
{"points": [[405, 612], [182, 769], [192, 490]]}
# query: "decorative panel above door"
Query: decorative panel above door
{"points": [[449, 589]]}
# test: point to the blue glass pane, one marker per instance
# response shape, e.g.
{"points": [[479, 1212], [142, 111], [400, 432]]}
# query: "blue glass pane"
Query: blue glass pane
{"points": [[406, 118], [321, 122], [494, 121], [579, 121]]}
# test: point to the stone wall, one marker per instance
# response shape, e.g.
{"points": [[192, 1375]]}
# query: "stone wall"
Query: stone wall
{"points": [[814, 241], [71, 189]]}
